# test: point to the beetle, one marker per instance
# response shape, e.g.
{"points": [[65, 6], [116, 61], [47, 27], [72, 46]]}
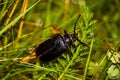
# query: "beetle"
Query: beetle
{"points": [[55, 46]]}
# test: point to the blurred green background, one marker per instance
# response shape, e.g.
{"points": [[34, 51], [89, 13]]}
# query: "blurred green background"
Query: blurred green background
{"points": [[100, 20]]}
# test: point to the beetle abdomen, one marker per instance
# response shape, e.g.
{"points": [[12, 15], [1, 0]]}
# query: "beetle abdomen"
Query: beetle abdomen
{"points": [[51, 48]]}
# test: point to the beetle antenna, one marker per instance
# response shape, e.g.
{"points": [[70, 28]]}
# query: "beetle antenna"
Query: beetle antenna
{"points": [[82, 43], [75, 32], [65, 32], [76, 23]]}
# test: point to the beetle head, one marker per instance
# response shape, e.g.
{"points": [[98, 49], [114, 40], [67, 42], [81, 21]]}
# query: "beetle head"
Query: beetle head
{"points": [[70, 38]]}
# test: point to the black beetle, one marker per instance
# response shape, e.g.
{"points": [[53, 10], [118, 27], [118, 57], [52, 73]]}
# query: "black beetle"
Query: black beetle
{"points": [[55, 46]]}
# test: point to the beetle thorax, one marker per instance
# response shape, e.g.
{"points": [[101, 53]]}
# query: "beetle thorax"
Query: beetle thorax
{"points": [[69, 39]]}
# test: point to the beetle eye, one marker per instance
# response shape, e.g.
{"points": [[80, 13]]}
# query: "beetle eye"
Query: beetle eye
{"points": [[74, 36]]}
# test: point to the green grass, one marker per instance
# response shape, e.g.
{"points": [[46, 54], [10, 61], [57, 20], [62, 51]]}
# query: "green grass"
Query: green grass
{"points": [[24, 24]]}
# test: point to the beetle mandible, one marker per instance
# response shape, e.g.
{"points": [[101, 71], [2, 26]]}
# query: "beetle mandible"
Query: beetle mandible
{"points": [[55, 46]]}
